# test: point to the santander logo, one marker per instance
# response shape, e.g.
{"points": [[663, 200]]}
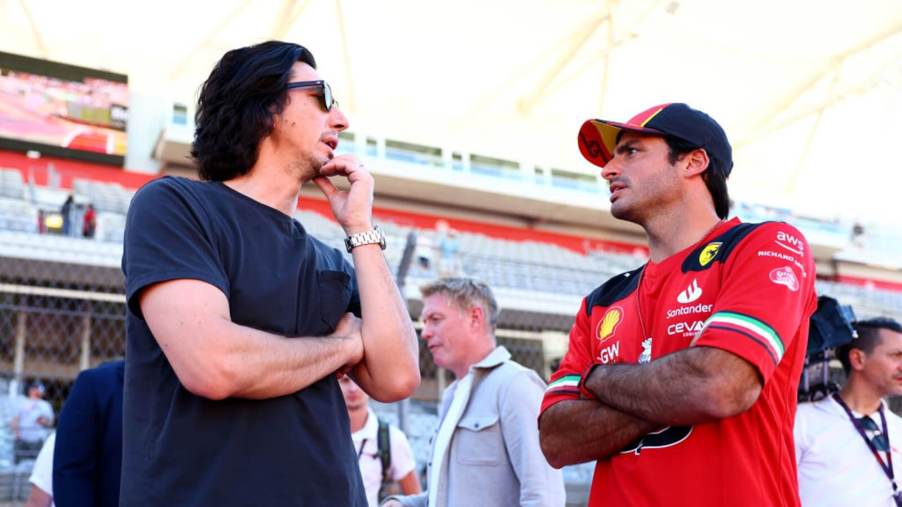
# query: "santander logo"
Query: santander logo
{"points": [[691, 293]]}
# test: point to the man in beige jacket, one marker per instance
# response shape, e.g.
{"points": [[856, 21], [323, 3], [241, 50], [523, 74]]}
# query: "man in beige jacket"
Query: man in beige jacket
{"points": [[486, 450]]}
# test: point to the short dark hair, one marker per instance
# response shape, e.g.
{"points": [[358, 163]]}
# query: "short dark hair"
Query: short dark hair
{"points": [[868, 338], [713, 176], [237, 103]]}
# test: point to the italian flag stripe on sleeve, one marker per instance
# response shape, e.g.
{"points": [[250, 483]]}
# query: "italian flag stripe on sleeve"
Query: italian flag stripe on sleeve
{"points": [[567, 382], [748, 326]]}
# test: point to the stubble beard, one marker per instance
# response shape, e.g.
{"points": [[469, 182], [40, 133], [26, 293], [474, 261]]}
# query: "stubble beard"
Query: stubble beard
{"points": [[625, 212], [306, 168]]}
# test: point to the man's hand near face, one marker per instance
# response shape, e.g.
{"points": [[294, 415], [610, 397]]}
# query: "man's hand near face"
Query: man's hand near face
{"points": [[353, 208]]}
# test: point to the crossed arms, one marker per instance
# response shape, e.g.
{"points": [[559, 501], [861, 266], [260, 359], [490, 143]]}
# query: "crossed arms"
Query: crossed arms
{"points": [[216, 358], [691, 386]]}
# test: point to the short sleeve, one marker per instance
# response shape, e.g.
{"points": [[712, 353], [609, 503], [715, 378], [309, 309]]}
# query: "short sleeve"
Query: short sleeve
{"points": [[564, 383], [767, 295], [167, 237], [402, 461], [42, 473]]}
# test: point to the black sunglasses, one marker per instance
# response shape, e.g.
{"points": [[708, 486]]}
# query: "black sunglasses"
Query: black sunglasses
{"points": [[325, 96]]}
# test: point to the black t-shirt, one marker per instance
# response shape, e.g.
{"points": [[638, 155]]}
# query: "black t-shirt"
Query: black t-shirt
{"points": [[180, 449]]}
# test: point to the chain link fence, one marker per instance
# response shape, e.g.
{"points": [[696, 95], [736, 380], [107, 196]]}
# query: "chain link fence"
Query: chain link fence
{"points": [[47, 336]]}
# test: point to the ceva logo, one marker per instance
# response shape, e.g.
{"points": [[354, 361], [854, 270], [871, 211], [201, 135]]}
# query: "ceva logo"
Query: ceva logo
{"points": [[691, 293]]}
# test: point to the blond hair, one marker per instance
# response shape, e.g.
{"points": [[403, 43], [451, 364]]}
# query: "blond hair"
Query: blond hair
{"points": [[466, 293]]}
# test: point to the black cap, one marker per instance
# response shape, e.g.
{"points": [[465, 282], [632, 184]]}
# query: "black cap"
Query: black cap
{"points": [[597, 138]]}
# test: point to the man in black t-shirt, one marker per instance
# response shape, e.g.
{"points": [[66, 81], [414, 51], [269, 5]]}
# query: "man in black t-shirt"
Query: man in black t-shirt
{"points": [[238, 319]]}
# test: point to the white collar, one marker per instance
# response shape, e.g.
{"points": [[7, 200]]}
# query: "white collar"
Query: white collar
{"points": [[369, 429], [497, 356]]}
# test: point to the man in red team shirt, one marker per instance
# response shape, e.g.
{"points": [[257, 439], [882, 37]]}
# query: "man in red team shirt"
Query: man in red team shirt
{"points": [[681, 376]]}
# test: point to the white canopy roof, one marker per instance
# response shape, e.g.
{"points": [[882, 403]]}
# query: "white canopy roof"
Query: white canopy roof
{"points": [[810, 92]]}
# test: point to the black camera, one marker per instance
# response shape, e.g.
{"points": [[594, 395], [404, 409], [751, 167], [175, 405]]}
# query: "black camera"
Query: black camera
{"points": [[831, 326]]}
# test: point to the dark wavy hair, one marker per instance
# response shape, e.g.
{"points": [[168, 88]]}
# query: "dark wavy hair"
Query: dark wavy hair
{"points": [[237, 104], [713, 176]]}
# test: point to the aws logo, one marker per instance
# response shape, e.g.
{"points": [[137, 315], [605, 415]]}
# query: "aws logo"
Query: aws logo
{"points": [[609, 323], [790, 242], [709, 253]]}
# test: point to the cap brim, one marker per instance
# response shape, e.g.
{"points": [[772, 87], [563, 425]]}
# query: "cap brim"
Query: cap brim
{"points": [[597, 139]]}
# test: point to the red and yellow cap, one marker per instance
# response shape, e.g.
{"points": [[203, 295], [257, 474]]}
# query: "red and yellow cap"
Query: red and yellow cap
{"points": [[597, 138]]}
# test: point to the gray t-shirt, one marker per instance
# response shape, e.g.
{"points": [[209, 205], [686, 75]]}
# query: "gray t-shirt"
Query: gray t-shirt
{"points": [[30, 410]]}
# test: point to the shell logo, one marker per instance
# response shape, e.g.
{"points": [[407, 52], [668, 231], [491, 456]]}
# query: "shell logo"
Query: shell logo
{"points": [[709, 253], [609, 323]]}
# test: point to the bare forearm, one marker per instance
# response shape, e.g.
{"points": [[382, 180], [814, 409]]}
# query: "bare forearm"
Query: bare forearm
{"points": [[410, 484], [688, 387], [389, 370], [601, 432], [38, 498], [285, 365], [238, 361]]}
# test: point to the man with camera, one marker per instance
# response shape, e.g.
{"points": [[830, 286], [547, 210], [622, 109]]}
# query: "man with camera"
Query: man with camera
{"points": [[847, 443]]}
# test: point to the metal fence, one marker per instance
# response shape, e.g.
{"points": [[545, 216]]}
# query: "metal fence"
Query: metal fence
{"points": [[47, 334]]}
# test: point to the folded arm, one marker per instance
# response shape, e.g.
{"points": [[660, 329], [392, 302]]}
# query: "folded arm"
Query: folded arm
{"points": [[215, 358], [390, 368], [691, 386], [602, 431]]}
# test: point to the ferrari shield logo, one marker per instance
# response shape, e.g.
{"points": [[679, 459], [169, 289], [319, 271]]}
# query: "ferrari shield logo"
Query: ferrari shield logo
{"points": [[709, 253]]}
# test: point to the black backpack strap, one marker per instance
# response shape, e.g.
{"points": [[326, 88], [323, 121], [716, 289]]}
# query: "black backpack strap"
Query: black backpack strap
{"points": [[383, 444]]}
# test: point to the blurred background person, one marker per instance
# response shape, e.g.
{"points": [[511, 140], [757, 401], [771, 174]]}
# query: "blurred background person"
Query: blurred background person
{"points": [[32, 423], [447, 249], [89, 222], [383, 452], [87, 462], [66, 210], [847, 444]]}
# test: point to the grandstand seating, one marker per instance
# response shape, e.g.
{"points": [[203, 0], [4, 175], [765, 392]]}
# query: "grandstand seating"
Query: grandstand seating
{"points": [[528, 266], [110, 197], [11, 184], [17, 215], [54, 248]]}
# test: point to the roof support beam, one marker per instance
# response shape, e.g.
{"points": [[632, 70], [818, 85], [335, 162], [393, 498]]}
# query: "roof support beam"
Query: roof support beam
{"points": [[831, 66], [35, 33], [350, 101], [207, 40], [525, 104], [291, 10]]}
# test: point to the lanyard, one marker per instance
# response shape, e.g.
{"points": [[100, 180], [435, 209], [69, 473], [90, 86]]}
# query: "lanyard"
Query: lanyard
{"points": [[887, 465], [360, 452]]}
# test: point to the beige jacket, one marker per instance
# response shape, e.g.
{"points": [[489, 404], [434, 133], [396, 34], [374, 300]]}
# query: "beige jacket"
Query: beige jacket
{"points": [[494, 457]]}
